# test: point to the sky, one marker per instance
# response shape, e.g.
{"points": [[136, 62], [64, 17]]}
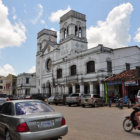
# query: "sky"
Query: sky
{"points": [[113, 23]]}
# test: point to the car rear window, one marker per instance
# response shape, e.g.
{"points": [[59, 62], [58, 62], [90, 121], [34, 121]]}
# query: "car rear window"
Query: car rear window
{"points": [[24, 108], [3, 95]]}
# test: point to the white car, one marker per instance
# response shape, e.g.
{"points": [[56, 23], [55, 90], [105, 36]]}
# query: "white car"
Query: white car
{"points": [[51, 100], [138, 97]]}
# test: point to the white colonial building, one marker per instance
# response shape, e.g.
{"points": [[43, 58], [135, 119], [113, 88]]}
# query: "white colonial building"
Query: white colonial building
{"points": [[26, 84], [70, 67]]}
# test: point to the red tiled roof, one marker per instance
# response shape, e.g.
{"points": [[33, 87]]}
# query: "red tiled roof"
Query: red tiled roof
{"points": [[124, 76]]}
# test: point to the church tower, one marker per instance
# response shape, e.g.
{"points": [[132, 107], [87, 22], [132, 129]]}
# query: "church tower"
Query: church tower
{"points": [[73, 32]]}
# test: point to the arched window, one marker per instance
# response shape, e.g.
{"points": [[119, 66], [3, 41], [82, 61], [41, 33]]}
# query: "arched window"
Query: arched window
{"points": [[73, 70], [67, 30], [80, 32], [76, 31], [90, 66], [109, 66], [65, 33], [59, 73]]}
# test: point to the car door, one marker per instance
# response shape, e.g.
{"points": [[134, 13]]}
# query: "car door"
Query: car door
{"points": [[5, 114]]}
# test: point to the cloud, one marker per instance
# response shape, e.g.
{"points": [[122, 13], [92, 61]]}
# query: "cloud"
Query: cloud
{"points": [[10, 35], [32, 70], [137, 36], [40, 8], [7, 69], [43, 21], [113, 32], [14, 13], [55, 16]]}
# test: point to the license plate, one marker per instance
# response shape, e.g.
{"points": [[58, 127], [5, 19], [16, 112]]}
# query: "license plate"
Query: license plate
{"points": [[47, 124]]}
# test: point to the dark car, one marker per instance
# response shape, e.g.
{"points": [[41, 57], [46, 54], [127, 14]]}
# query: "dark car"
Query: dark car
{"points": [[39, 96], [13, 97], [60, 99]]}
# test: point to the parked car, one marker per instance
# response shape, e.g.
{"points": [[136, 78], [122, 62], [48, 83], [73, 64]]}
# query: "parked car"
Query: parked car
{"points": [[39, 96], [93, 100], [138, 97], [74, 98], [13, 97], [3, 98], [60, 99], [51, 100], [31, 120], [27, 97]]}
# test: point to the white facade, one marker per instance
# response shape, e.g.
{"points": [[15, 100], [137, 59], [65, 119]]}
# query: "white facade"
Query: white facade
{"points": [[26, 84], [2, 84], [56, 63]]}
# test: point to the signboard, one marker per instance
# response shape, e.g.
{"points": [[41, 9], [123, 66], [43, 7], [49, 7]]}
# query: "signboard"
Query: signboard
{"points": [[114, 83], [131, 83]]}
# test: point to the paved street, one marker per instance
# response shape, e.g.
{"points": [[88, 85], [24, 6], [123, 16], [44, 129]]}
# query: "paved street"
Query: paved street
{"points": [[102, 123]]}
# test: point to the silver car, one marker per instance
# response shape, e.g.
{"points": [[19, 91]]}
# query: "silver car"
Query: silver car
{"points": [[91, 100], [31, 120]]}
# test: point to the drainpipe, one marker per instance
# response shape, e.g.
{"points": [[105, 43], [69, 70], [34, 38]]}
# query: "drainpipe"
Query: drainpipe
{"points": [[106, 93], [123, 89]]}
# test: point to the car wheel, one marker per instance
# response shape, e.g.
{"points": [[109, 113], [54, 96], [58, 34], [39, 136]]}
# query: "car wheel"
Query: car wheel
{"points": [[78, 104], [83, 105], [69, 104], [103, 104], [95, 104], [7, 136]]}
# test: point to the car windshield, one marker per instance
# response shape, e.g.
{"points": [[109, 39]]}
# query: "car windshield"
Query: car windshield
{"points": [[3, 95], [24, 108], [96, 96], [75, 95], [86, 95], [52, 97]]}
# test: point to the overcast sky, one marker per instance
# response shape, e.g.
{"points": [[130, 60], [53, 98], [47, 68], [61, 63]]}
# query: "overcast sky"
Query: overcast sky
{"points": [[113, 23]]}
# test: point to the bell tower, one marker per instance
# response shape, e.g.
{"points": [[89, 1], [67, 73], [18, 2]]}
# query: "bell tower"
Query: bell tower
{"points": [[73, 31]]}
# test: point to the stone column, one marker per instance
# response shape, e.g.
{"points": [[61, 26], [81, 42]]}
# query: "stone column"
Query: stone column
{"points": [[81, 88], [63, 89], [91, 87], [73, 88], [84, 32], [54, 90], [47, 90], [101, 89], [66, 89], [59, 89]]}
